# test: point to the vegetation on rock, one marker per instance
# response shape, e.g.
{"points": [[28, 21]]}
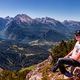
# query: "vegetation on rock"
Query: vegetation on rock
{"points": [[62, 49]]}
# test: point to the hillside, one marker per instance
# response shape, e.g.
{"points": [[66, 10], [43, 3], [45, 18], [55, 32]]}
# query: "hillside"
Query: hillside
{"points": [[15, 55]]}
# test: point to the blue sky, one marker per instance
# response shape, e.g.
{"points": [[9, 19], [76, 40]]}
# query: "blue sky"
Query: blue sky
{"points": [[57, 9]]}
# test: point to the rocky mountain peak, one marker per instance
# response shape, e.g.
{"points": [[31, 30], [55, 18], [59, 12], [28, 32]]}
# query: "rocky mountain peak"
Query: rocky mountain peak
{"points": [[8, 19], [46, 20], [23, 18]]}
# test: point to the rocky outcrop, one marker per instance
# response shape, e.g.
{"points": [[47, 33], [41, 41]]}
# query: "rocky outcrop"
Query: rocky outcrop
{"points": [[43, 72], [35, 74]]}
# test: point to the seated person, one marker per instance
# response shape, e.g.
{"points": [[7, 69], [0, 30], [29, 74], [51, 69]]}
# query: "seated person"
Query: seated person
{"points": [[72, 59]]}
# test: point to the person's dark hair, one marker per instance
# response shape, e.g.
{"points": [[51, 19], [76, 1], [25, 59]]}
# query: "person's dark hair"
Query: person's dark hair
{"points": [[77, 32]]}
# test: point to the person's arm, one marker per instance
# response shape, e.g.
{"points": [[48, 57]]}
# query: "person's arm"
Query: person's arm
{"points": [[69, 54], [77, 57]]}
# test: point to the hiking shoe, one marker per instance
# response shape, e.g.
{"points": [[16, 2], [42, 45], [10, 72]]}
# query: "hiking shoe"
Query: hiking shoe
{"points": [[53, 69]]}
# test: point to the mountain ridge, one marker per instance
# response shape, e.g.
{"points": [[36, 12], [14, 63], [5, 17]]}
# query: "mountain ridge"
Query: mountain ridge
{"points": [[24, 28], [28, 27]]}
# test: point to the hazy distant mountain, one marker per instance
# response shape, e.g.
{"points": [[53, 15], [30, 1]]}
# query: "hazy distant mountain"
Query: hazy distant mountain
{"points": [[72, 25]]}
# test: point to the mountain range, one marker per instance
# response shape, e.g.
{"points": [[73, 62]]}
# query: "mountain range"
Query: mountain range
{"points": [[26, 29]]}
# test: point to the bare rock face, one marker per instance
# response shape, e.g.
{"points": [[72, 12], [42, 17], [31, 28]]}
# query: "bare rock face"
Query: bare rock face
{"points": [[37, 76]]}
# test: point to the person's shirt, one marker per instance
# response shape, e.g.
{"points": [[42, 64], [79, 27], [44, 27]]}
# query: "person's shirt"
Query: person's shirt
{"points": [[76, 51]]}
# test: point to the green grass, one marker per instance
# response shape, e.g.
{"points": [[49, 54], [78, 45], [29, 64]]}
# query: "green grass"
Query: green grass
{"points": [[27, 68], [16, 75]]}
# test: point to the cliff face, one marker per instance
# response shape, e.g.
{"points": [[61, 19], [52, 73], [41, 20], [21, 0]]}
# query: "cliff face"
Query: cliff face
{"points": [[43, 72]]}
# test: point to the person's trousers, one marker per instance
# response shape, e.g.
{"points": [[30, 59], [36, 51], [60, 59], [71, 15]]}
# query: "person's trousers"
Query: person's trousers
{"points": [[60, 64]]}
